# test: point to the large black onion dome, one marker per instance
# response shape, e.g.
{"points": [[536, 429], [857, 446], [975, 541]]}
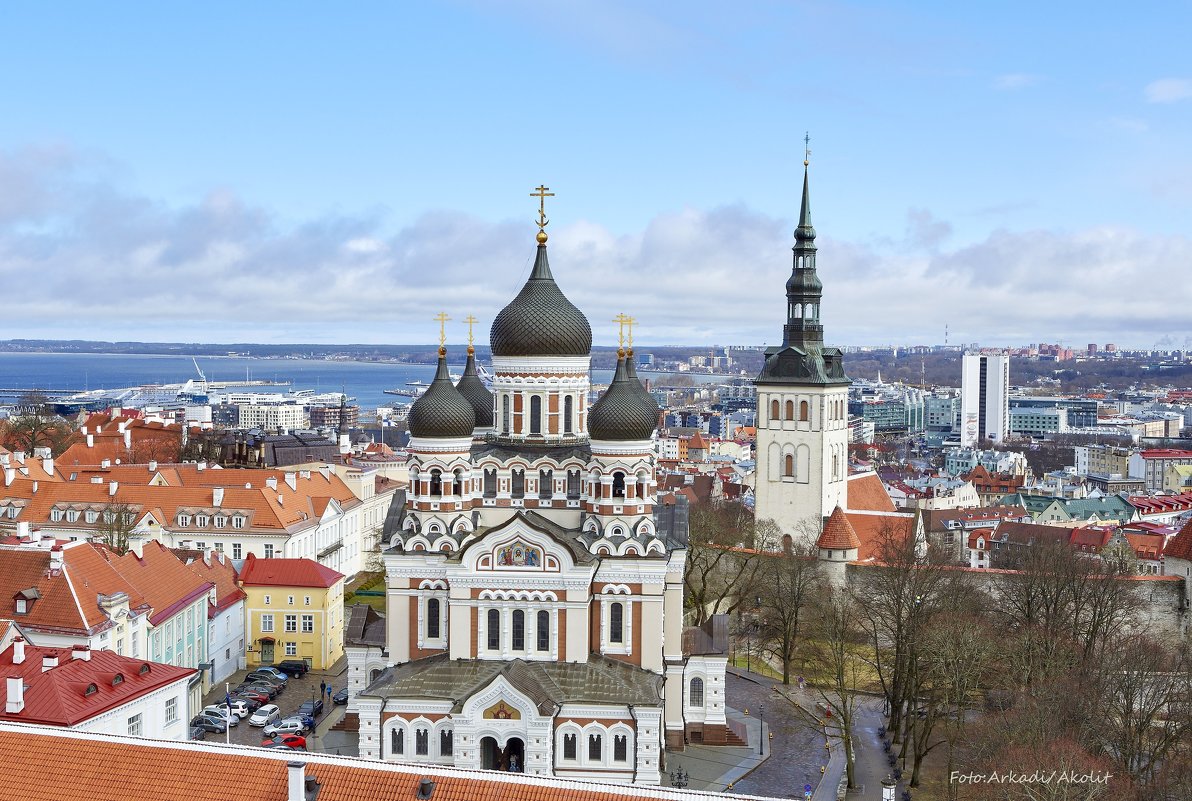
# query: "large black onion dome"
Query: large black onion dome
{"points": [[477, 395], [637, 386], [441, 411], [541, 321], [622, 413]]}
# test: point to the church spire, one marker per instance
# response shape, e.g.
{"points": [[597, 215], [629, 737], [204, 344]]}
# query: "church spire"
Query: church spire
{"points": [[804, 290]]}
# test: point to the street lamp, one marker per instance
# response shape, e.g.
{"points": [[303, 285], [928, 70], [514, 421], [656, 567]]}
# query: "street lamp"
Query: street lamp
{"points": [[761, 731], [679, 777], [888, 787]]}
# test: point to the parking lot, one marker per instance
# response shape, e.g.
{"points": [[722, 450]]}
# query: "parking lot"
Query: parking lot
{"points": [[297, 691]]}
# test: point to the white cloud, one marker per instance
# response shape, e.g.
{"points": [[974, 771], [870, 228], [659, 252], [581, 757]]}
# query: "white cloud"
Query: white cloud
{"points": [[1168, 90], [85, 259], [1015, 80]]}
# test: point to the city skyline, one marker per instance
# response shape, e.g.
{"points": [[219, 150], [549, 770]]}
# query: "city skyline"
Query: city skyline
{"points": [[331, 177]]}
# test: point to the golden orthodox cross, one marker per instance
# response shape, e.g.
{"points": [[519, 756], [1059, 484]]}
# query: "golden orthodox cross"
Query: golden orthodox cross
{"points": [[442, 319], [542, 193], [629, 323], [620, 320], [470, 320]]}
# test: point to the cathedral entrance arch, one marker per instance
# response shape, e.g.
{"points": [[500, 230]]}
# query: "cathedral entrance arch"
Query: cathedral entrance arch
{"points": [[511, 758]]}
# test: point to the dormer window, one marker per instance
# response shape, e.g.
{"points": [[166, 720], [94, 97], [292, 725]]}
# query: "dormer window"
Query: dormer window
{"points": [[92, 516], [72, 515], [184, 520], [117, 679], [202, 520], [92, 689], [143, 669], [221, 521], [13, 511], [238, 521]]}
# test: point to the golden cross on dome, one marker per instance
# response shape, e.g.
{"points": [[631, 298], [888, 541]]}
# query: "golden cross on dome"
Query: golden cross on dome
{"points": [[542, 193], [442, 319], [806, 148], [470, 320], [621, 319], [629, 323]]}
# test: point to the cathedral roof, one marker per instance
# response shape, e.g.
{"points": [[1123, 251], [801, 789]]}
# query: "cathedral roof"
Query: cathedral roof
{"points": [[636, 383], [541, 321], [473, 389], [441, 411], [623, 413], [838, 533], [548, 685]]}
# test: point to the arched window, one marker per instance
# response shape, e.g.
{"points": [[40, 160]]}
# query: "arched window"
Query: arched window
{"points": [[432, 619], [543, 621], [421, 742], [573, 485], [519, 630], [505, 414], [518, 483], [620, 748], [788, 467], [775, 410], [594, 743], [569, 746], [536, 414], [696, 697], [803, 411], [490, 483], [397, 744], [546, 482], [836, 465], [618, 485], [790, 410], [616, 622], [436, 483], [568, 414], [446, 742], [494, 630], [458, 485]]}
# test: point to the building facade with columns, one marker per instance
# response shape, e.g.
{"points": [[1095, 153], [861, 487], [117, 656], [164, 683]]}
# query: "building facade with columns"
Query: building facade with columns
{"points": [[534, 586]]}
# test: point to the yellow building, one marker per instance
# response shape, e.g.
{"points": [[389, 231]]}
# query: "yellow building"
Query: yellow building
{"points": [[294, 610]]}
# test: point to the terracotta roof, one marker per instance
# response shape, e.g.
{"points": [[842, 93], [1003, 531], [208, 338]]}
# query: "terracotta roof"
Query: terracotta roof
{"points": [[165, 582], [1180, 546], [58, 606], [697, 442], [59, 696], [57, 765], [286, 573], [218, 570], [838, 532], [873, 529], [866, 493]]}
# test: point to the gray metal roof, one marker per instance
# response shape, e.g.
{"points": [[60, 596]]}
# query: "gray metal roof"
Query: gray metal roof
{"points": [[541, 321], [442, 411]]}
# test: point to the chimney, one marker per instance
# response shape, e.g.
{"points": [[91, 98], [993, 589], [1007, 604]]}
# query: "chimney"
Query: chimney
{"points": [[200, 466], [56, 557], [271, 482], [152, 465], [35, 486], [112, 487], [120, 426], [10, 475], [81, 652], [297, 775], [127, 438], [217, 495], [49, 661], [292, 481], [90, 440], [47, 464], [105, 463], [16, 695], [426, 788], [18, 650]]}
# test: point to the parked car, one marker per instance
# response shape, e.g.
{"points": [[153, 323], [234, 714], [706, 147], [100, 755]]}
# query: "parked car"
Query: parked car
{"points": [[265, 688], [258, 697], [197, 732], [340, 697], [312, 708], [267, 714], [208, 723], [220, 712], [294, 667], [273, 671], [266, 675], [249, 700], [307, 720], [288, 740], [287, 726]]}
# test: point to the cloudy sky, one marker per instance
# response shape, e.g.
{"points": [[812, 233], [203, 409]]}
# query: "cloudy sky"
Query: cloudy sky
{"points": [[320, 172]]}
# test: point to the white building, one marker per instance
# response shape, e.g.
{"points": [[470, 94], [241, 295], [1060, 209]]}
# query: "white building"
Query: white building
{"points": [[272, 416], [984, 398]]}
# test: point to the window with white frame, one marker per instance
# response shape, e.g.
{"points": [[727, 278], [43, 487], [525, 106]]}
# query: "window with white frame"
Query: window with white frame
{"points": [[421, 742], [519, 630], [72, 515], [446, 742], [433, 618], [397, 741], [696, 696], [291, 649], [543, 632], [237, 550], [620, 748], [269, 550], [184, 520], [291, 623], [494, 629], [308, 624], [268, 599], [595, 741], [92, 516], [616, 622], [267, 623], [134, 725], [290, 600], [238, 521], [171, 710], [569, 750], [202, 520]]}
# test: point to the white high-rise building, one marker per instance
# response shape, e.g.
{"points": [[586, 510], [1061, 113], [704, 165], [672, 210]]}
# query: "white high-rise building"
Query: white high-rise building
{"points": [[984, 398]]}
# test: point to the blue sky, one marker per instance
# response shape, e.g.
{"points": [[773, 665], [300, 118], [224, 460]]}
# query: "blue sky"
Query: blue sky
{"points": [[309, 172]]}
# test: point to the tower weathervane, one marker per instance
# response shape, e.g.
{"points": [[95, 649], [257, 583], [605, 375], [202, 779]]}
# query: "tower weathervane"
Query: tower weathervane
{"points": [[806, 148], [442, 319], [542, 193]]}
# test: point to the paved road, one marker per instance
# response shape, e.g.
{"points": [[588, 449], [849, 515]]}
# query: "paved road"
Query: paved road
{"points": [[296, 692], [797, 748]]}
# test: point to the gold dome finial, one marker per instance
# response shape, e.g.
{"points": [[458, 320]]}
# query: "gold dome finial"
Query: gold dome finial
{"points": [[806, 148], [470, 320], [542, 193], [442, 319], [629, 323], [621, 320]]}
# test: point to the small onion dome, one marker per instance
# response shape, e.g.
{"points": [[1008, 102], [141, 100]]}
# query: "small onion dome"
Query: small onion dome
{"points": [[622, 414], [441, 411], [540, 321], [635, 382], [474, 391]]}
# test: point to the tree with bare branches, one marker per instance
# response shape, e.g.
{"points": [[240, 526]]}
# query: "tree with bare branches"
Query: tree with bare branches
{"points": [[788, 583], [724, 555]]}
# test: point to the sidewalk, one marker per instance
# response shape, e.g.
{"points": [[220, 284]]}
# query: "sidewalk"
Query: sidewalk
{"points": [[716, 768]]}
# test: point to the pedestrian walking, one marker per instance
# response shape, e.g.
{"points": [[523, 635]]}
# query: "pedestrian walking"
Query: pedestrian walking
{"points": [[323, 687]]}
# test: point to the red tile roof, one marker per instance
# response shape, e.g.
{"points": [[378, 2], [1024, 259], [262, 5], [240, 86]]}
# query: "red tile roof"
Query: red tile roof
{"points": [[60, 605], [875, 529], [838, 532], [286, 573], [866, 493], [1180, 546], [162, 578], [56, 765], [59, 696], [219, 570]]}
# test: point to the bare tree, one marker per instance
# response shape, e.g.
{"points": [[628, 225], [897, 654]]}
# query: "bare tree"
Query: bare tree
{"points": [[789, 581], [723, 559], [839, 629], [116, 524], [36, 425]]}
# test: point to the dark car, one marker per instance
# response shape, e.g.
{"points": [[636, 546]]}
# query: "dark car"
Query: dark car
{"points": [[295, 667], [261, 675], [252, 700], [197, 732], [270, 690], [340, 697], [251, 694], [311, 708], [208, 724]]}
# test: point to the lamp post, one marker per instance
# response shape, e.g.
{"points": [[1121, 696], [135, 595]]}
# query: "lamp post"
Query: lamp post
{"points": [[761, 731], [679, 777], [888, 787]]}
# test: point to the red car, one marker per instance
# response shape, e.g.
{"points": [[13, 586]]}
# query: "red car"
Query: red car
{"points": [[288, 740], [259, 697]]}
